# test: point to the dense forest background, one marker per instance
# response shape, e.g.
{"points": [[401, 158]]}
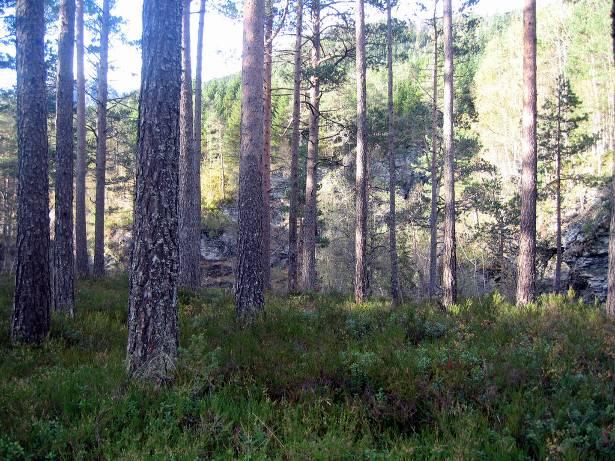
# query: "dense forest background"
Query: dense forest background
{"points": [[488, 105]]}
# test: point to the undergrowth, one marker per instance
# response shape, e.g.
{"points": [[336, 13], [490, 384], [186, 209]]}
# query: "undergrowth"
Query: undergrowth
{"points": [[316, 379]]}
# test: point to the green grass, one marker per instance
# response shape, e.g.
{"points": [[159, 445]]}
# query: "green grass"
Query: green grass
{"points": [[317, 379]]}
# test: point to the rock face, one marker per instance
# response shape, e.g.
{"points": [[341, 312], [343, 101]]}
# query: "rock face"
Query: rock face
{"points": [[586, 253]]}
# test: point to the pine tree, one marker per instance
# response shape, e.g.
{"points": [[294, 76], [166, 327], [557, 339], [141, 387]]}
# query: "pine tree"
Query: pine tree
{"points": [[153, 314], [31, 308], [64, 264], [526, 266]]}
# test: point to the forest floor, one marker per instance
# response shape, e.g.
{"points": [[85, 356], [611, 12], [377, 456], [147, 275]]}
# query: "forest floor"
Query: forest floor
{"points": [[316, 379]]}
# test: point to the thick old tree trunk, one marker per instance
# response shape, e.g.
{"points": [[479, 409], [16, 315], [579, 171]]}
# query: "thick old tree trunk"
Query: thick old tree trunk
{"points": [[249, 299], [81, 243], [64, 267], [526, 278], [294, 156], [153, 314], [189, 203], [198, 113], [310, 214], [101, 146], [266, 163], [610, 302], [360, 279], [435, 186], [449, 266], [31, 308], [392, 172]]}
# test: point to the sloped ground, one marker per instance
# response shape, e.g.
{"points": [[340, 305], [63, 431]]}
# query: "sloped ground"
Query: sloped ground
{"points": [[317, 379]]}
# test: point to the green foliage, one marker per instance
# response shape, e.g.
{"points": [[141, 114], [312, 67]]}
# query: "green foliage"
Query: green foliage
{"points": [[317, 379]]}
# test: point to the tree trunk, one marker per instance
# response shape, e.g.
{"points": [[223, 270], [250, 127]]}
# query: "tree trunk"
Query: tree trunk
{"points": [[360, 279], [81, 243], [392, 172], [310, 213], [526, 279], [101, 146], [610, 302], [435, 186], [198, 112], [249, 300], [449, 266], [31, 308], [294, 156], [266, 163], [64, 268], [189, 203], [153, 314], [558, 197]]}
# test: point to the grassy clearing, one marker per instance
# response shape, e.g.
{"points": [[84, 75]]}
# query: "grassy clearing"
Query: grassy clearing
{"points": [[317, 379]]}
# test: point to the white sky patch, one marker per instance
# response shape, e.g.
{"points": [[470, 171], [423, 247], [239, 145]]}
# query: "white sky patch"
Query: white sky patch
{"points": [[222, 41]]}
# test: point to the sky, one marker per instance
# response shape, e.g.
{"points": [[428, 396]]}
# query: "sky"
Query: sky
{"points": [[222, 42]]}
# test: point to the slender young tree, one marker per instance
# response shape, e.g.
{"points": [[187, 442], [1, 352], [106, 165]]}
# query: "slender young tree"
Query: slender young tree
{"points": [[391, 155], [610, 302], [198, 109], [152, 313], [310, 213], [435, 186], [360, 279], [64, 267], [31, 308], [449, 267], [266, 163], [101, 143], [294, 155], [189, 203], [526, 266], [249, 299], [81, 244]]}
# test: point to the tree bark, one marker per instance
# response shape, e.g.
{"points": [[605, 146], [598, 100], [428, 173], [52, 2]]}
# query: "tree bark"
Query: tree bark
{"points": [[392, 172], [435, 186], [266, 163], [31, 309], [558, 197], [449, 266], [64, 268], [81, 243], [360, 280], [101, 145], [526, 279], [153, 314], [294, 156], [189, 203], [249, 300], [198, 112], [310, 213], [610, 302]]}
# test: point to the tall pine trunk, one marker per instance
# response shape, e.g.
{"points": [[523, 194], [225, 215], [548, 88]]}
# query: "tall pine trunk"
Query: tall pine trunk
{"points": [[449, 266], [64, 267], [294, 156], [101, 145], [189, 203], [392, 172], [249, 300], [558, 197], [526, 278], [610, 302], [153, 314], [266, 163], [310, 214], [31, 309], [198, 113], [360, 279], [435, 186], [81, 243]]}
